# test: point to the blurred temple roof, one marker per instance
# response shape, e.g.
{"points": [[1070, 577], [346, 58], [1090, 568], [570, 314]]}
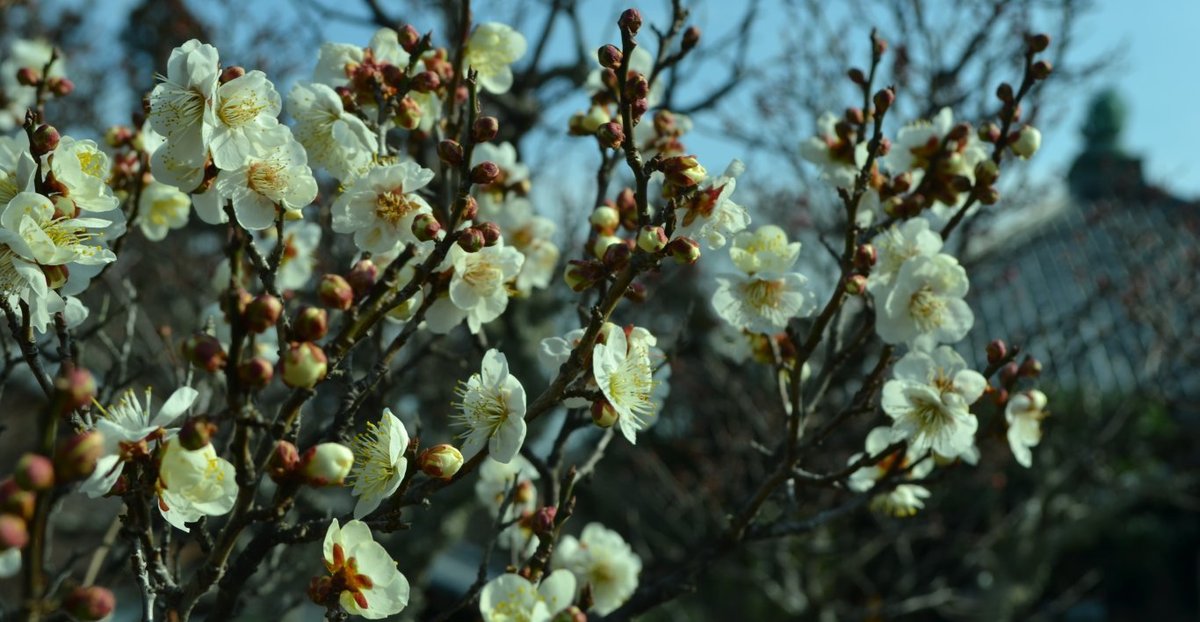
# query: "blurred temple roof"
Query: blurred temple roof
{"points": [[1105, 292]]}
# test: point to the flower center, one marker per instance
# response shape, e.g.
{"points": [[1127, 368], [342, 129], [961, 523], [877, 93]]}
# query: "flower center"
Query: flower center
{"points": [[267, 178], [346, 578], [483, 274], [926, 309], [483, 408], [373, 466], [764, 293], [393, 206], [238, 111]]}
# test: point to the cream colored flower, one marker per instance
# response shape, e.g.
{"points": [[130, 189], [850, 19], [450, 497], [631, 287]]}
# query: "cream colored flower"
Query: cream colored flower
{"points": [[162, 208], [379, 462], [193, 484], [491, 50], [602, 559], [492, 410], [367, 581]]}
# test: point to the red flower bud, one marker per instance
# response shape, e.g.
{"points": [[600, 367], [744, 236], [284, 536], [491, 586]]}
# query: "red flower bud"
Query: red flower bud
{"points": [[471, 240], [90, 603], [685, 250], [426, 82], [45, 139], [630, 22], [204, 351], [232, 73], [485, 173], [450, 152], [311, 324], [28, 76], [196, 433], [13, 532], [485, 129], [609, 56], [34, 472], [256, 372], [996, 351], [491, 233], [335, 292], [610, 135], [362, 276], [284, 462], [263, 312]]}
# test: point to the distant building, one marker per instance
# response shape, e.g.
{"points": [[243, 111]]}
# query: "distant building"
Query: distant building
{"points": [[1105, 292]]}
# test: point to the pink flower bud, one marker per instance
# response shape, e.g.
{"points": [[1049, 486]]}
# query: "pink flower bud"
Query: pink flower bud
{"points": [[256, 372], [685, 251], [603, 413], [485, 173], [543, 520], [284, 462], [610, 135], [335, 292], [204, 351], [426, 227], [630, 22], [28, 76], [1008, 373], [639, 108], [13, 532], [263, 312], [865, 257], [491, 233], [605, 219], [14, 500], [884, 98], [468, 207], [75, 457], [996, 351], [485, 129], [304, 365], [362, 276], [409, 38], [441, 461], [61, 87], [609, 56], [450, 152], [856, 285], [426, 82], [1030, 368], [326, 464], [471, 240], [311, 324], [691, 37], [90, 604], [196, 433], [636, 86], [34, 472], [408, 113], [45, 139], [652, 239], [231, 73], [616, 256], [76, 388]]}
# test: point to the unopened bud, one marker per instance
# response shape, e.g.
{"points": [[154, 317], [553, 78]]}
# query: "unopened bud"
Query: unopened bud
{"points": [[450, 152], [652, 239], [1000, 396], [409, 38], [196, 433], [605, 218], [856, 76], [636, 87], [304, 365], [425, 227], [616, 256], [1029, 139], [14, 534], [491, 233], [45, 139], [630, 21], [989, 132], [856, 285], [467, 208], [362, 276], [15, 501], [326, 464], [441, 461], [989, 195], [28, 76], [485, 173], [602, 242], [335, 292], [996, 351], [1030, 368], [543, 520], [60, 87], [691, 37], [232, 73], [610, 135], [1005, 92], [204, 351], [311, 324], [683, 171], [1038, 43], [855, 116], [986, 172], [34, 472], [1041, 70], [865, 257], [603, 413], [639, 108], [609, 56], [1008, 373], [684, 250], [284, 462], [884, 99], [408, 113], [90, 603], [471, 240], [426, 82], [256, 372], [75, 457], [262, 313], [959, 132], [76, 388], [581, 275], [485, 129]]}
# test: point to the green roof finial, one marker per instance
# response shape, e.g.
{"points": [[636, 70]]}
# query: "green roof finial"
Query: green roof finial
{"points": [[1105, 122]]}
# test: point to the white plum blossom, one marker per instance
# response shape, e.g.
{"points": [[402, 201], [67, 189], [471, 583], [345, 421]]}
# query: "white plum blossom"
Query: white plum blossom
{"points": [[925, 306], [896, 245], [710, 215], [496, 481], [1024, 414], [600, 558], [182, 111], [530, 234], [380, 206], [193, 484], [245, 108], [129, 421], [763, 302], [332, 58], [300, 242], [492, 410], [624, 373], [765, 250], [929, 400], [491, 50], [478, 290], [334, 139], [82, 168], [903, 500], [161, 208], [512, 598], [275, 178], [17, 167], [370, 584], [839, 159], [379, 462]]}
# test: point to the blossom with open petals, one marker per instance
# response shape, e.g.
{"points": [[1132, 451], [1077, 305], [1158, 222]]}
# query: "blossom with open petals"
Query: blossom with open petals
{"points": [[492, 410], [193, 484], [335, 139], [625, 376], [513, 598], [1024, 414], [363, 578], [478, 287], [904, 499], [491, 50], [275, 178], [380, 206], [601, 558], [896, 245], [710, 214], [379, 462], [161, 209], [929, 401], [925, 306]]}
